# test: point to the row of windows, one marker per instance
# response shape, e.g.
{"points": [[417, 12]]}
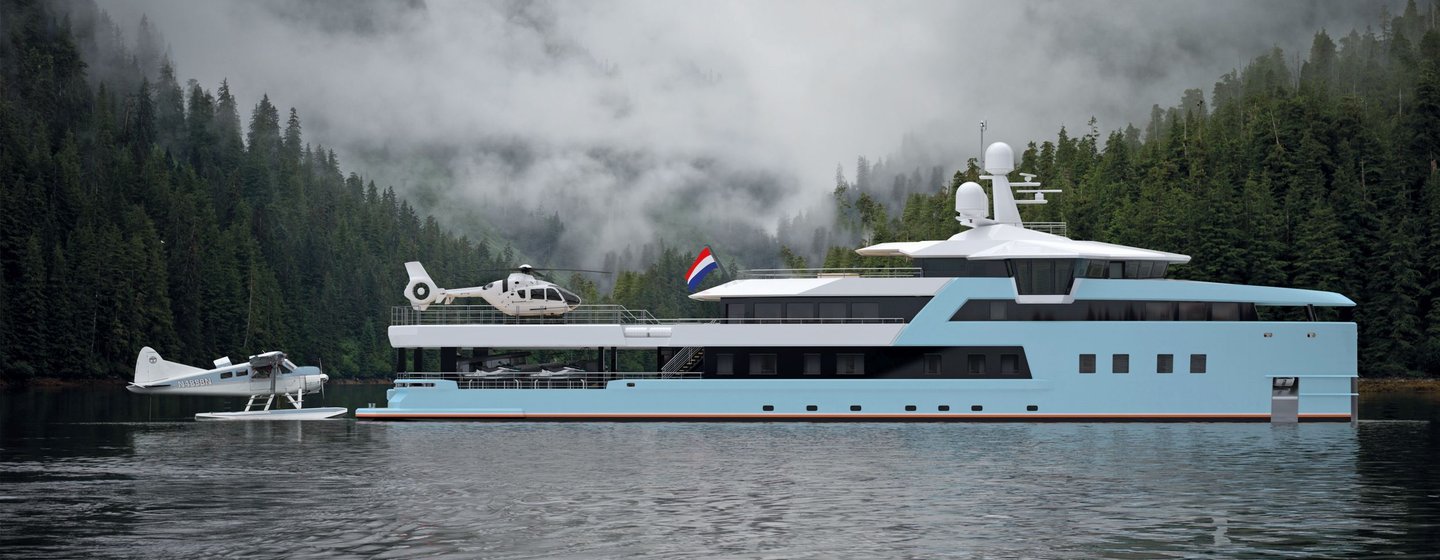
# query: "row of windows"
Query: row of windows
{"points": [[854, 364], [1107, 310], [1041, 275], [820, 309], [1164, 363], [550, 294], [229, 374]]}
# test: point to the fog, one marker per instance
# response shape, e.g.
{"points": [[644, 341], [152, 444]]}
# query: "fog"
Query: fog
{"points": [[691, 121]]}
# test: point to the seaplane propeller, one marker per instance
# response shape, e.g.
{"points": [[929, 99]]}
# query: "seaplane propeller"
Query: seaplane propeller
{"points": [[521, 293]]}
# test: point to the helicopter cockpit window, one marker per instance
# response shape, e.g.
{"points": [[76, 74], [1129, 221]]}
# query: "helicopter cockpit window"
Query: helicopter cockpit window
{"points": [[490, 286], [570, 299], [522, 293], [552, 294]]}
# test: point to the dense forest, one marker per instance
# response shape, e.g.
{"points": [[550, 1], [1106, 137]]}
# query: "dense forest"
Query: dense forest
{"points": [[136, 211], [1319, 176]]}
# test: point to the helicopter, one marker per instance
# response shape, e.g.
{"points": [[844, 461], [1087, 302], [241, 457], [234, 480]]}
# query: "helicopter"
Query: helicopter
{"points": [[519, 294]]}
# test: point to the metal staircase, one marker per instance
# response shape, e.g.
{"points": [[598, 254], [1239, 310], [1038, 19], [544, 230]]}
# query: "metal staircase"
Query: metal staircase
{"points": [[684, 360]]}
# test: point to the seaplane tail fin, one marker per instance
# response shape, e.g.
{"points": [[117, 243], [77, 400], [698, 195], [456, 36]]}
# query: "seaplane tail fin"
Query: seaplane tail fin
{"points": [[150, 367]]}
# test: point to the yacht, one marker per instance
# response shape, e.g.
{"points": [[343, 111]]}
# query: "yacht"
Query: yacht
{"points": [[1005, 321]]}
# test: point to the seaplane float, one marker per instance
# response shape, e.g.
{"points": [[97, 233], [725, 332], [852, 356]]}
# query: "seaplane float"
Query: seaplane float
{"points": [[262, 379]]}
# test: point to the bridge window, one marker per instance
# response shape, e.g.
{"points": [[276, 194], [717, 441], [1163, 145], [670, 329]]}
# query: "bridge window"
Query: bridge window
{"points": [[804, 310], [767, 311], [1043, 276], [832, 310]]}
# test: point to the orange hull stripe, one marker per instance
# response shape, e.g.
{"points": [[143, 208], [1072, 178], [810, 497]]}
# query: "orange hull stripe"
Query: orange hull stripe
{"points": [[818, 416]]}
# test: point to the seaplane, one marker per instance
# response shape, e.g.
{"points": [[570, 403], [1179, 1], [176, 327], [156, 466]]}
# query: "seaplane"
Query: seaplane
{"points": [[262, 379], [519, 294]]}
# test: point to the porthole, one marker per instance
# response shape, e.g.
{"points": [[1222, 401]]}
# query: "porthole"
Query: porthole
{"points": [[1032, 408], [944, 408], [854, 408], [910, 408], [768, 408], [811, 408], [976, 408]]}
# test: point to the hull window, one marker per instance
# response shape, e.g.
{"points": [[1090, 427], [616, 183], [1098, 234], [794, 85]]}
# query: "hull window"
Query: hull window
{"points": [[1165, 363], [1120, 363], [1197, 363], [1087, 363]]}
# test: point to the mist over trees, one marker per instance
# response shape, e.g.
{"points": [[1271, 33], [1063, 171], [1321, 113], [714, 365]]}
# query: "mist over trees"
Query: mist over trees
{"points": [[139, 211]]}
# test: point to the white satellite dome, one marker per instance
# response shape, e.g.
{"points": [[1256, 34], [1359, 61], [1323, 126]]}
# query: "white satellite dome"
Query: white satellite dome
{"points": [[971, 202], [999, 158]]}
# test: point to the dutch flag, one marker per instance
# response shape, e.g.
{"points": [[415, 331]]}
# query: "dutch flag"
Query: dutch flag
{"points": [[704, 263]]}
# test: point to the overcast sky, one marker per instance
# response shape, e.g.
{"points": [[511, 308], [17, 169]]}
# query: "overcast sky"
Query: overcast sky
{"points": [[595, 100]]}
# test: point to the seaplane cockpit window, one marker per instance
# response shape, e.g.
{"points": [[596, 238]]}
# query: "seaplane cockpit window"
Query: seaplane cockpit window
{"points": [[570, 298], [227, 374], [242, 373], [262, 374]]}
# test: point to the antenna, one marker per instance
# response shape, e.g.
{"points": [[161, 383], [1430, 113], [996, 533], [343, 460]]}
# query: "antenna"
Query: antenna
{"points": [[983, 126]]}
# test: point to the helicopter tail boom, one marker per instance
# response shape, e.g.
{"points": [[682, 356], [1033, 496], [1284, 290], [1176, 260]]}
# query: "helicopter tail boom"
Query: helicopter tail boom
{"points": [[421, 291]]}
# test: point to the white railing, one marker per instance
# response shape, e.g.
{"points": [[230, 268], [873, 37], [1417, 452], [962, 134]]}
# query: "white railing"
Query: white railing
{"points": [[1056, 228], [537, 380], [897, 272], [405, 315]]}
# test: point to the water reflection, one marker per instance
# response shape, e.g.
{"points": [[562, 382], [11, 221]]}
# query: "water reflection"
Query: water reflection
{"points": [[74, 485]]}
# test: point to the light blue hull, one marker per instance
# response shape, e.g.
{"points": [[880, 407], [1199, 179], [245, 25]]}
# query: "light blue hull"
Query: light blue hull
{"points": [[1241, 361]]}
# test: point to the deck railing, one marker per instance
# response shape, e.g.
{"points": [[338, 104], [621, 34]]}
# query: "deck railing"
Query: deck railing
{"points": [[405, 315], [537, 380], [896, 272]]}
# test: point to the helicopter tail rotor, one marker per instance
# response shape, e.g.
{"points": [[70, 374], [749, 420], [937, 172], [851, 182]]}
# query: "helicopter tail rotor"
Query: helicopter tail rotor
{"points": [[421, 291]]}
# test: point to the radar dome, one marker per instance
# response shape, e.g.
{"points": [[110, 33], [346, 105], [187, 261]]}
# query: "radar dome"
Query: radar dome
{"points": [[971, 202], [999, 158]]}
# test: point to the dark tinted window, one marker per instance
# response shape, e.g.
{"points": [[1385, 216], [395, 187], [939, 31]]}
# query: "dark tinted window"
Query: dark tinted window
{"points": [[832, 310], [735, 310], [1165, 363], [1197, 363], [1224, 312], [725, 364], [812, 364], [570, 297], [975, 363], [865, 310], [1009, 363], [767, 311], [1087, 363], [800, 310], [932, 364], [553, 294], [1120, 363], [850, 364], [762, 364], [1192, 311]]}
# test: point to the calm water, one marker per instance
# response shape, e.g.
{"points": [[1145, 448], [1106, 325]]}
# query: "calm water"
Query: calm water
{"points": [[101, 473]]}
